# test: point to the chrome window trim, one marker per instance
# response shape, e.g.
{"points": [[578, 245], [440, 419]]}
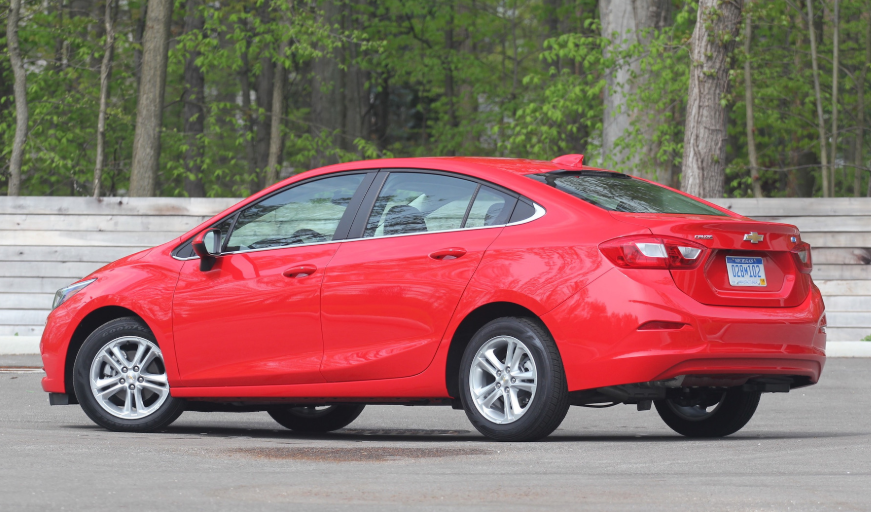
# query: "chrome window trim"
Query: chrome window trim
{"points": [[540, 211]]}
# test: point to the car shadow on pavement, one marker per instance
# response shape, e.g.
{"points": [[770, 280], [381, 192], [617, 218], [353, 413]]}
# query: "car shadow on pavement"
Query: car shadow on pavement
{"points": [[457, 436]]}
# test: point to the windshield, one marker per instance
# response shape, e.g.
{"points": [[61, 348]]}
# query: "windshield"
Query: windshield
{"points": [[622, 193]]}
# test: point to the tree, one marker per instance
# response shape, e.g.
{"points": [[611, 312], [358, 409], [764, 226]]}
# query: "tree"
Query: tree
{"points": [[105, 74], [704, 154], [194, 112], [821, 125], [20, 87], [149, 110], [748, 99], [625, 24]]}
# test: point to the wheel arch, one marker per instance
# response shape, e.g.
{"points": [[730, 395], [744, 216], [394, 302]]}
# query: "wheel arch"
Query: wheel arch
{"points": [[473, 321], [89, 324]]}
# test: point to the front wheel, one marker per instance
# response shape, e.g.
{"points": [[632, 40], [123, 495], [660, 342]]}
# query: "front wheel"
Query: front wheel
{"points": [[120, 379], [316, 419], [719, 416], [512, 383]]}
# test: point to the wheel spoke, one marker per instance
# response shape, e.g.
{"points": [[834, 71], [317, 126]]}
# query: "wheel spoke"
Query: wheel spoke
{"points": [[128, 402], [525, 386], [516, 357], [122, 358], [486, 366], [488, 401], [523, 376], [160, 390], [506, 406], [491, 356], [140, 351], [149, 357], [108, 381], [107, 358], [140, 405], [154, 378], [515, 403], [109, 392], [509, 353]]}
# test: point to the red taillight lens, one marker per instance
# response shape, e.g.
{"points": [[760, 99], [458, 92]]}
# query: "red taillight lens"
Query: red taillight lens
{"points": [[801, 253], [653, 252]]}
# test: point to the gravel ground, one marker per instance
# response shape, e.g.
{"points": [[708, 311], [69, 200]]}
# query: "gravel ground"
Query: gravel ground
{"points": [[808, 450]]}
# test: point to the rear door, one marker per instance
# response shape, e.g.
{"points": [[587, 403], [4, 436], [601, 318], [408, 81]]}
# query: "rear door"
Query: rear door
{"points": [[388, 297]]}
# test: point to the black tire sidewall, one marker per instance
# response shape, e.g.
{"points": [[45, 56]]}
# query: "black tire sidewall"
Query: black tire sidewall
{"points": [[341, 416], [550, 389], [168, 412], [733, 413]]}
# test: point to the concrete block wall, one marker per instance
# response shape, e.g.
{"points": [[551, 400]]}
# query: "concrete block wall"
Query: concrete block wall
{"points": [[49, 242]]}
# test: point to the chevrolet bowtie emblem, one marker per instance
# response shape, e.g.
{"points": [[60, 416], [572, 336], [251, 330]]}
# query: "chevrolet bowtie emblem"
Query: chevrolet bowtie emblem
{"points": [[753, 237]]}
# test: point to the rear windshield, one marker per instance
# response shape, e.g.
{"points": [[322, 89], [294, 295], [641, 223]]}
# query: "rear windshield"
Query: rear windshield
{"points": [[622, 193]]}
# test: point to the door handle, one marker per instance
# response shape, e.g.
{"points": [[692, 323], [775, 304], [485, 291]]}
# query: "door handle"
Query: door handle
{"points": [[451, 253], [300, 271]]}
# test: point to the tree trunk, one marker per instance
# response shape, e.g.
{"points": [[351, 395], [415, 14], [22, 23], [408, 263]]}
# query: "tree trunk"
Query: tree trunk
{"points": [[821, 125], [149, 110], [265, 83], [328, 87], [859, 160], [704, 153], [626, 23], [276, 115], [248, 116], [22, 115], [194, 111], [105, 75], [835, 57], [748, 100]]}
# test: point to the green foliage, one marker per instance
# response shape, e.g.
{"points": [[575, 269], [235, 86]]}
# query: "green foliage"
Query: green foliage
{"points": [[520, 78]]}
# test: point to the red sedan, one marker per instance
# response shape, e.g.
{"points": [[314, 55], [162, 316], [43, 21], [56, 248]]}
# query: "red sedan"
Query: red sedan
{"points": [[509, 288]]}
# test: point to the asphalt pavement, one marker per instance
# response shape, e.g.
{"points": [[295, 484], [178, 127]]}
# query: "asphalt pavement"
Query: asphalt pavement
{"points": [[806, 450]]}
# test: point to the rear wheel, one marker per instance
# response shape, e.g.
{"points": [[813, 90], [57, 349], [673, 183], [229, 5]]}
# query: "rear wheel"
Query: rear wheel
{"points": [[316, 419], [719, 416], [512, 383], [120, 379]]}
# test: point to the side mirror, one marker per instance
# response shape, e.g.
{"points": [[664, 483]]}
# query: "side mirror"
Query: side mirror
{"points": [[207, 245]]}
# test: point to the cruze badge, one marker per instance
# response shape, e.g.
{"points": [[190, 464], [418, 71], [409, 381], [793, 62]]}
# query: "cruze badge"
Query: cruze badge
{"points": [[753, 237], [705, 237]]}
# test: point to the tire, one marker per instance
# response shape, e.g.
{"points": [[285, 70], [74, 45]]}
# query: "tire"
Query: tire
{"points": [[151, 406], [313, 419], [533, 411], [728, 416]]}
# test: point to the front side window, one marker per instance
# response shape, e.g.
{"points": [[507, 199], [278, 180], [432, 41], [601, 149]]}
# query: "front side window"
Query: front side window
{"points": [[419, 203], [622, 193], [304, 214]]}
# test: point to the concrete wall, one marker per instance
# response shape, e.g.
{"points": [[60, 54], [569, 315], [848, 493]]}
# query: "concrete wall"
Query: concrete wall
{"points": [[49, 242]]}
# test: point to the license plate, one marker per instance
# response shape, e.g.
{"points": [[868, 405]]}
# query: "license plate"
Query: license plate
{"points": [[745, 271]]}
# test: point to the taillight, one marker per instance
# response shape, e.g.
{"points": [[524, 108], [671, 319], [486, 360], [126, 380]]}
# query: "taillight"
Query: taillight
{"points": [[801, 253], [653, 252]]}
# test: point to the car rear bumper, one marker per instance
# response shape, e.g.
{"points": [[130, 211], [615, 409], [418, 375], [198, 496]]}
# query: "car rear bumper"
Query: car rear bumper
{"points": [[597, 332]]}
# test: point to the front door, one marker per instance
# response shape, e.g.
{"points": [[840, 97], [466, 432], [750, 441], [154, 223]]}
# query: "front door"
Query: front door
{"points": [[388, 297], [254, 318]]}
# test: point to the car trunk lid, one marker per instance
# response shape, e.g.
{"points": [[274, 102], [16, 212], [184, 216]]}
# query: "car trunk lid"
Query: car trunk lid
{"points": [[737, 246]]}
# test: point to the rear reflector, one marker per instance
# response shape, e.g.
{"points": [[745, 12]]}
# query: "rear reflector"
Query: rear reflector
{"points": [[653, 252], [658, 325]]}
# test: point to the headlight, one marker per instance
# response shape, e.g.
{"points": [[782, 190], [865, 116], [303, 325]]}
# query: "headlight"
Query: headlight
{"points": [[65, 293]]}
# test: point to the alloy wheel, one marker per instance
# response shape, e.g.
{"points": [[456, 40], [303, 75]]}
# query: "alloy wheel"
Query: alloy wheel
{"points": [[503, 379], [128, 377]]}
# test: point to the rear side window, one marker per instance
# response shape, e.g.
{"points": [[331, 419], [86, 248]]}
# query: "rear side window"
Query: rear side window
{"points": [[490, 208], [419, 203], [622, 193]]}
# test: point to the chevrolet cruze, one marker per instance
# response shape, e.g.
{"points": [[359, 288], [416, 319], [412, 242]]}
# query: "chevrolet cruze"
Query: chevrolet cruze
{"points": [[509, 288]]}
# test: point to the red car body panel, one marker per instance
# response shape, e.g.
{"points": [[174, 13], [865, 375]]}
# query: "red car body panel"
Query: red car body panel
{"points": [[375, 321]]}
